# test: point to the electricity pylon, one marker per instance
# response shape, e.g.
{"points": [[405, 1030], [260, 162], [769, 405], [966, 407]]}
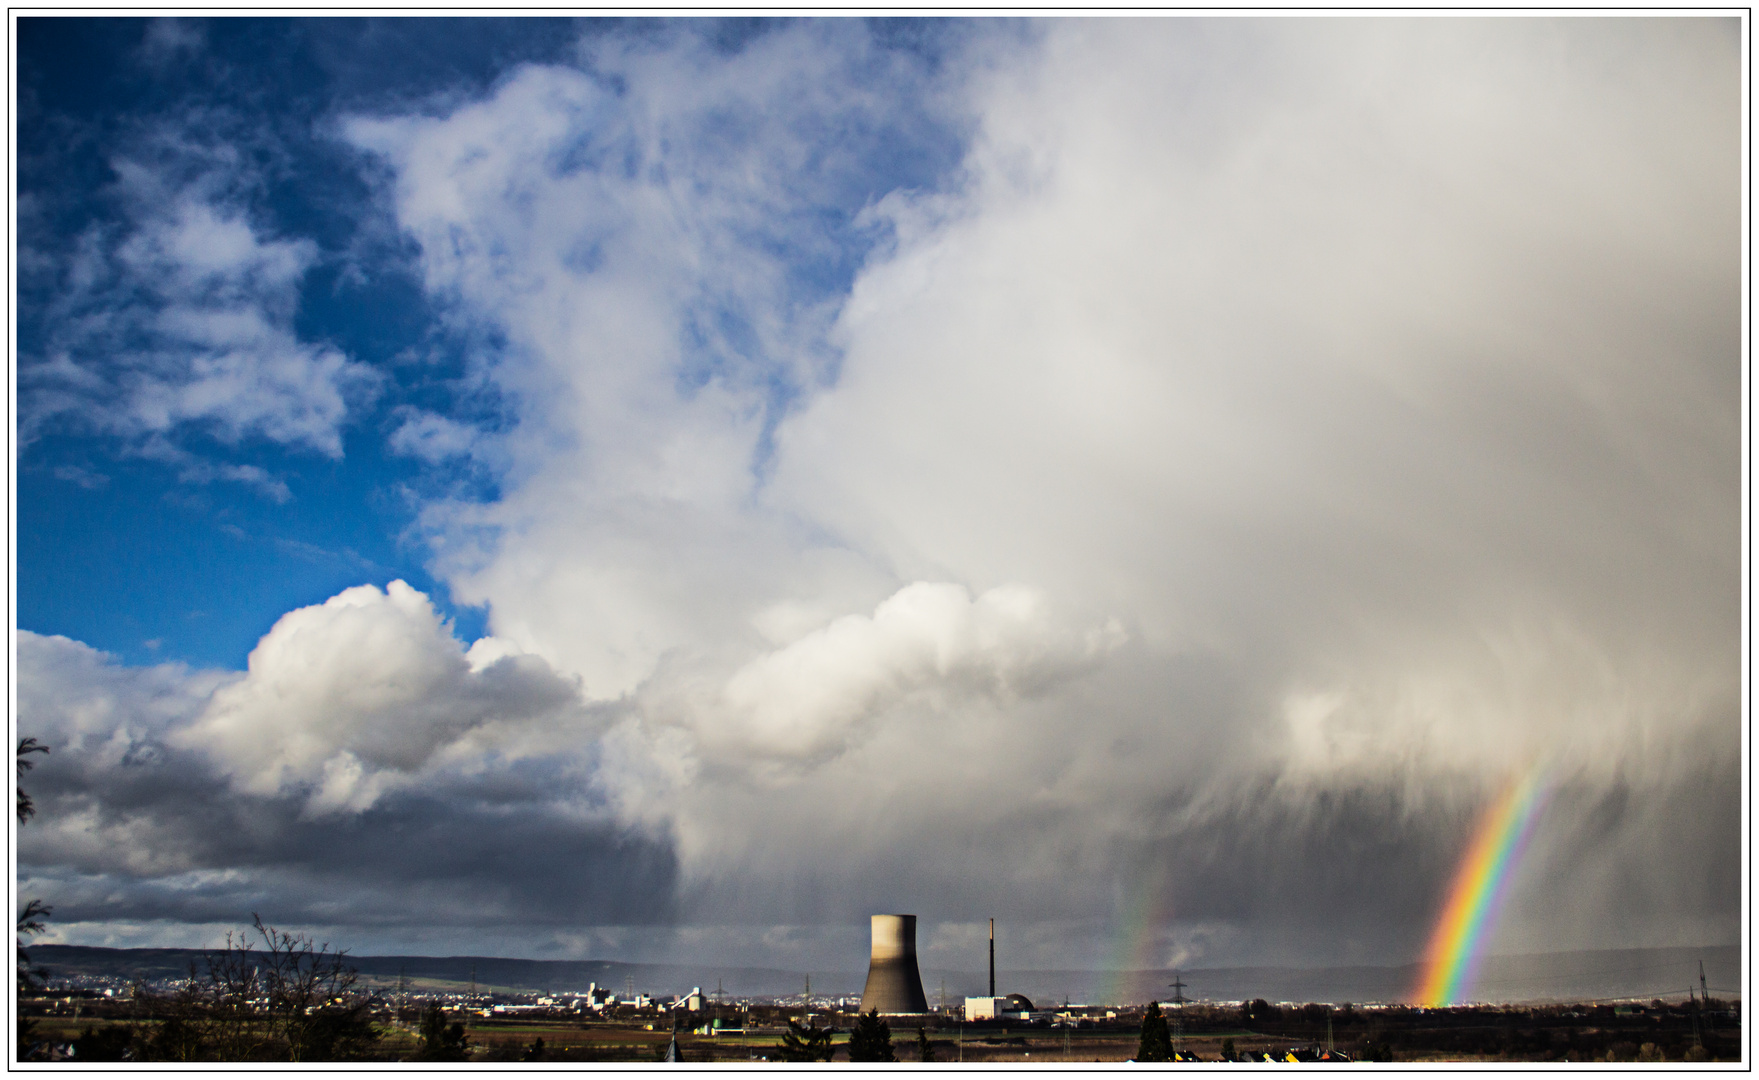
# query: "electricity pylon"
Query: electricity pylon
{"points": [[1179, 999]]}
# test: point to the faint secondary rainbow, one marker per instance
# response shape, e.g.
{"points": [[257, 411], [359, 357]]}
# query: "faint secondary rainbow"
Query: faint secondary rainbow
{"points": [[1451, 962], [1137, 944]]}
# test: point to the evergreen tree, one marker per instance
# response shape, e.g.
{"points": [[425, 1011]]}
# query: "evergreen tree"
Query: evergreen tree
{"points": [[1157, 1041], [811, 1043], [872, 1039], [27, 808], [924, 1048], [440, 1042], [30, 920]]}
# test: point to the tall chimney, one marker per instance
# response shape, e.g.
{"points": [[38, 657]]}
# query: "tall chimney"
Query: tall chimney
{"points": [[894, 985], [992, 958]]}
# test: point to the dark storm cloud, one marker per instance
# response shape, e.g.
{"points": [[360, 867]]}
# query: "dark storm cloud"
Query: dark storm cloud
{"points": [[428, 862], [166, 842], [132, 828], [1357, 875]]}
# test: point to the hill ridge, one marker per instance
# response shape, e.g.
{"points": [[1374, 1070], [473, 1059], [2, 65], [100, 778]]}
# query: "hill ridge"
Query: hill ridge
{"points": [[1583, 974]]}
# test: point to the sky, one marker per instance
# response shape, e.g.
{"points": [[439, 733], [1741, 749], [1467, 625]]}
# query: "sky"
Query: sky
{"points": [[669, 489]]}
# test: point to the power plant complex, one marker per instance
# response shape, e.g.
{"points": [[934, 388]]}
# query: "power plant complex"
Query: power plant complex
{"points": [[894, 982]]}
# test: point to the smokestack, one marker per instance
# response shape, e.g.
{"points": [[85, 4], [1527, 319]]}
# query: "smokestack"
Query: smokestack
{"points": [[992, 958], [894, 985]]}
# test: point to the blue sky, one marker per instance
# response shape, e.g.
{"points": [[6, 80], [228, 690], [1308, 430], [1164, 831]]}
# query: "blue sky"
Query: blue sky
{"points": [[120, 549], [802, 468], [199, 573]]}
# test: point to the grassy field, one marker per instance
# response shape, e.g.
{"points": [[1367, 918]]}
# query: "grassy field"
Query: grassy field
{"points": [[605, 1042]]}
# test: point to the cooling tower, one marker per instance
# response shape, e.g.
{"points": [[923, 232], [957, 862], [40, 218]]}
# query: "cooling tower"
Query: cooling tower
{"points": [[893, 983]]}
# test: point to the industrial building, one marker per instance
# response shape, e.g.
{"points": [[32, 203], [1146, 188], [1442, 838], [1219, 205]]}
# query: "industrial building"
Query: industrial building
{"points": [[1012, 1007]]}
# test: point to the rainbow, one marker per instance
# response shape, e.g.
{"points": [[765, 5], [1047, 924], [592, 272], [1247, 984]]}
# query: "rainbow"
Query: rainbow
{"points": [[1451, 962]]}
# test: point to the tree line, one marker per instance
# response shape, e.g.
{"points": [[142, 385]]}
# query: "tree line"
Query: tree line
{"points": [[870, 1040], [268, 995]]}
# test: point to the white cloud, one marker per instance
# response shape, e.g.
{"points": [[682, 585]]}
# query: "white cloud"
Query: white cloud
{"points": [[363, 693], [168, 39], [1345, 384], [806, 698], [184, 319], [635, 235], [102, 722], [431, 437], [1376, 380], [80, 702]]}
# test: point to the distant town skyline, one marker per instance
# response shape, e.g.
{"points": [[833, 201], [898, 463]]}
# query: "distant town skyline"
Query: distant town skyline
{"points": [[667, 490]]}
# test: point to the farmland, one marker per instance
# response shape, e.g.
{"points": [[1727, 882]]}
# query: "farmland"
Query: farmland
{"points": [[93, 1027]]}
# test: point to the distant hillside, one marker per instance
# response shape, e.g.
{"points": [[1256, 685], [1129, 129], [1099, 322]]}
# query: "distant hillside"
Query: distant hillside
{"points": [[446, 972], [131, 964], [1564, 976], [1568, 976]]}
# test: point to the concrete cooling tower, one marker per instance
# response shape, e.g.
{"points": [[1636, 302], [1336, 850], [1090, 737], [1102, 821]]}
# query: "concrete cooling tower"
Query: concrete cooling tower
{"points": [[893, 983]]}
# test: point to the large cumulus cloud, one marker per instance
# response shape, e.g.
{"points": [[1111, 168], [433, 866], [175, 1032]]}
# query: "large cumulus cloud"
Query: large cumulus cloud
{"points": [[1377, 380], [398, 792], [368, 689]]}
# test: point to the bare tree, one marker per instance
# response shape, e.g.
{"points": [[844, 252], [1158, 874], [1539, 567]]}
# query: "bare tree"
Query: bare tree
{"points": [[229, 999], [267, 995], [186, 1030], [311, 998]]}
